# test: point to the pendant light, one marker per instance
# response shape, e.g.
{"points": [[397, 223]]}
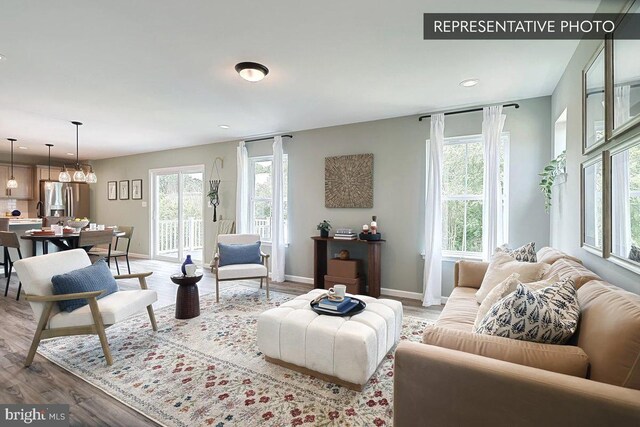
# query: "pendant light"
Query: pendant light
{"points": [[49, 184], [12, 183], [78, 175], [91, 176], [64, 175]]}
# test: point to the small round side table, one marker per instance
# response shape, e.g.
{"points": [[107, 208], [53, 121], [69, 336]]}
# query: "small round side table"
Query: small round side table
{"points": [[188, 297]]}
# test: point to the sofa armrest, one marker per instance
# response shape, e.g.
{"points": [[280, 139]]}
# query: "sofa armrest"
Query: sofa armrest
{"points": [[563, 359], [440, 387], [469, 273]]}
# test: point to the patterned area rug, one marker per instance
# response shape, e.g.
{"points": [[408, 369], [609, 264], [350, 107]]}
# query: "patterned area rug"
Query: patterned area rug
{"points": [[208, 370]]}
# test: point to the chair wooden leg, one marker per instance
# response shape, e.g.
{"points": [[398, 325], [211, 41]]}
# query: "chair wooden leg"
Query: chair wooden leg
{"points": [[128, 266], [217, 290], [117, 265], [152, 317], [97, 320], [267, 279], [38, 334]]}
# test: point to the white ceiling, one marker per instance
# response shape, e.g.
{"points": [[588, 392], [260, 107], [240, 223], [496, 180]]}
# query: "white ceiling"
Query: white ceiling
{"points": [[148, 75]]}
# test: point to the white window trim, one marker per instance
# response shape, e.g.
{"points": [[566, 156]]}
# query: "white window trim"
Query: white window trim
{"points": [[465, 139], [253, 200]]}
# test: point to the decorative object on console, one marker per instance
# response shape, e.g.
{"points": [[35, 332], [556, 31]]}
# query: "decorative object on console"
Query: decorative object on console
{"points": [[324, 228], [502, 266], [184, 264], [344, 254], [525, 253], [549, 315], [345, 234], [348, 181], [374, 225], [554, 169]]}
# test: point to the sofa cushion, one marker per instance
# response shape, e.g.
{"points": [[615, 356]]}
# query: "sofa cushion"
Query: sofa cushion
{"points": [[550, 255], [565, 268], [564, 359], [525, 253], [96, 277], [240, 271], [549, 315], [508, 286], [460, 310], [469, 273], [239, 254], [609, 332], [502, 266]]}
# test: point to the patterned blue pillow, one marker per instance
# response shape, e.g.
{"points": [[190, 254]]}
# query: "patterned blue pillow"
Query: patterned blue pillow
{"points": [[239, 254], [96, 277]]}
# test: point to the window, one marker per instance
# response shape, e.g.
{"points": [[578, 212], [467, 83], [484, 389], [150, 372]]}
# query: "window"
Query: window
{"points": [[260, 196], [462, 196]]}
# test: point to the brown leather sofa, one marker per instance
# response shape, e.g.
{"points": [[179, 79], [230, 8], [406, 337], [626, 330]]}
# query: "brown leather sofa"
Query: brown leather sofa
{"points": [[458, 378]]}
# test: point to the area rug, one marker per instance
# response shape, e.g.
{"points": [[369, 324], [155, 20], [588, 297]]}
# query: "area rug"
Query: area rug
{"points": [[208, 371]]}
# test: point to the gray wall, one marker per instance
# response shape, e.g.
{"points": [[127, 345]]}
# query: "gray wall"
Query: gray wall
{"points": [[399, 148], [566, 210]]}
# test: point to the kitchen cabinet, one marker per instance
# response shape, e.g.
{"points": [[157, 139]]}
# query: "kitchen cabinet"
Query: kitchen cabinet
{"points": [[24, 176]]}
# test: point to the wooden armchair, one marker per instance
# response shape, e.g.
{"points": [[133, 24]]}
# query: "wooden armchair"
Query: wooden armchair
{"points": [[240, 271], [36, 273]]}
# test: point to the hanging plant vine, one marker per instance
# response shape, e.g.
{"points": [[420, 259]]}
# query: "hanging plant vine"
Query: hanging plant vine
{"points": [[548, 175]]}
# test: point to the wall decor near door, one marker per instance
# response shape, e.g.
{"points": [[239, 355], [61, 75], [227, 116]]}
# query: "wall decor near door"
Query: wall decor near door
{"points": [[136, 189], [112, 190], [348, 181], [124, 190]]}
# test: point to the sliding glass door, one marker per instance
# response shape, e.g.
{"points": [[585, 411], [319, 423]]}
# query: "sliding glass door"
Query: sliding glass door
{"points": [[177, 213]]}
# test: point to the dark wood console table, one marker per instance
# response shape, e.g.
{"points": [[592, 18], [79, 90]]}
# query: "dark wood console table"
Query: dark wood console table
{"points": [[320, 256]]}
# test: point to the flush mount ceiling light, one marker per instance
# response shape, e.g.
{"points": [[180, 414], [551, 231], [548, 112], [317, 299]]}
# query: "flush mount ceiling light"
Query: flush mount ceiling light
{"points": [[469, 82], [224, 126], [2, 57], [12, 183], [252, 71]]}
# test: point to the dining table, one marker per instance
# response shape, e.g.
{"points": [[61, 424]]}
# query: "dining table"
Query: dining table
{"points": [[64, 242]]}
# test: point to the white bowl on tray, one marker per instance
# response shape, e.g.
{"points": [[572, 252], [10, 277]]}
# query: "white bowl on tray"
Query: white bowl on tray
{"points": [[78, 225]]}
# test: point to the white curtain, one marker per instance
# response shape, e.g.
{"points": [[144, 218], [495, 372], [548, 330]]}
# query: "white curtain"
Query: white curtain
{"points": [[432, 278], [620, 192], [493, 233], [242, 190], [277, 212]]}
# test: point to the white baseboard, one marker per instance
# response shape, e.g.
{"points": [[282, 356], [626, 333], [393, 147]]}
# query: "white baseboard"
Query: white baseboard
{"points": [[298, 279], [401, 294]]}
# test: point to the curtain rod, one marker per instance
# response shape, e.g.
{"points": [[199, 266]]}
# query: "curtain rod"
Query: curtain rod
{"points": [[266, 138], [471, 110]]}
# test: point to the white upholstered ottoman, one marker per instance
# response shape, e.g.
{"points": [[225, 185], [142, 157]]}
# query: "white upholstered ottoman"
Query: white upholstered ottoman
{"points": [[343, 350]]}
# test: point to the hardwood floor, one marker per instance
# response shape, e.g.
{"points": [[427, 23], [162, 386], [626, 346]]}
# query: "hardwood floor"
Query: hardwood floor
{"points": [[45, 382]]}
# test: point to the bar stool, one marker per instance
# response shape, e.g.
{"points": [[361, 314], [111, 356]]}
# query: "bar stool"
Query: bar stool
{"points": [[9, 240], [4, 226]]}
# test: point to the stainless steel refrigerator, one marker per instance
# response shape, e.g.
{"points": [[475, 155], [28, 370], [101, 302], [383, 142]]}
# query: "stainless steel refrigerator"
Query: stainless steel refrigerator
{"points": [[64, 199]]}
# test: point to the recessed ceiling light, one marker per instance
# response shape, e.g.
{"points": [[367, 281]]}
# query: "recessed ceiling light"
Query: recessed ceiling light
{"points": [[469, 82], [224, 126], [2, 57], [22, 147], [252, 71], [71, 154]]}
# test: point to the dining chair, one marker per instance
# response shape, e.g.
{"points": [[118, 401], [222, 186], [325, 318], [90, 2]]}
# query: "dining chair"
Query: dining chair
{"points": [[240, 271], [115, 253], [4, 226], [90, 238], [9, 240], [91, 319]]}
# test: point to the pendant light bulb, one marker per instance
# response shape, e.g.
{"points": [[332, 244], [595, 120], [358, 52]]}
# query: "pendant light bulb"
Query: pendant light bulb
{"points": [[12, 183], [92, 178], [79, 176], [64, 175]]}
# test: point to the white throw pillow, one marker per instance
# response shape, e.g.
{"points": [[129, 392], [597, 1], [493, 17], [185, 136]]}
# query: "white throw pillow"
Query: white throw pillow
{"points": [[505, 288], [525, 253], [549, 315], [502, 266]]}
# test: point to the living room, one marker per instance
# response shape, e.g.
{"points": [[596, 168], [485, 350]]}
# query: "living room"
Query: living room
{"points": [[179, 140]]}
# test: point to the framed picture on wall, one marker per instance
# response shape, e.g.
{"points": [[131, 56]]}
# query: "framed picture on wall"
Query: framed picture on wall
{"points": [[136, 189], [112, 190], [124, 190]]}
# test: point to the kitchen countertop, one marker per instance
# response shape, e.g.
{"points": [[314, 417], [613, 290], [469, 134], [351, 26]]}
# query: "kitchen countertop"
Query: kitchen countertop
{"points": [[25, 221]]}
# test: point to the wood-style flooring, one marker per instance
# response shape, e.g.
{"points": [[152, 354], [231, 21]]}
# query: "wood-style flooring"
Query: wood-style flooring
{"points": [[44, 382]]}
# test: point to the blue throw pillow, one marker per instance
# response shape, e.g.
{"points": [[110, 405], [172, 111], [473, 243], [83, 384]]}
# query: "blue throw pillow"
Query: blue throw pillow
{"points": [[239, 254], [96, 277]]}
